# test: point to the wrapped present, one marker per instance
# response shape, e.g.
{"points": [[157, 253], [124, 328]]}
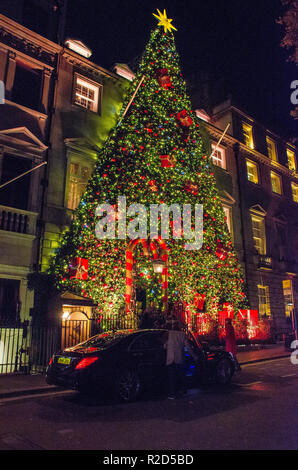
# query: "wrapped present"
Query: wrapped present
{"points": [[167, 161], [78, 269], [221, 252], [229, 308], [252, 316], [199, 301], [184, 118]]}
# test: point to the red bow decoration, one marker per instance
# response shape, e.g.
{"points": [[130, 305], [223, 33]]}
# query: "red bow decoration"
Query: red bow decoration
{"points": [[78, 269], [184, 118]]}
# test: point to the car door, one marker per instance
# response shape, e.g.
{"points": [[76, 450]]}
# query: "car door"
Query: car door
{"points": [[148, 355]]}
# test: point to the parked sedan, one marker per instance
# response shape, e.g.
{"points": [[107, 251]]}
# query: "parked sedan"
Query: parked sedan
{"points": [[128, 362]]}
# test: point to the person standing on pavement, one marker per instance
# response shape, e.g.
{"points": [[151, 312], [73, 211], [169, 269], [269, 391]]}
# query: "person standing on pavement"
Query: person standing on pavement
{"points": [[230, 341], [175, 343]]}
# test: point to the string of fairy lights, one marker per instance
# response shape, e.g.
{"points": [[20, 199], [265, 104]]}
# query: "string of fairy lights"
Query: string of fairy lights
{"points": [[154, 155]]}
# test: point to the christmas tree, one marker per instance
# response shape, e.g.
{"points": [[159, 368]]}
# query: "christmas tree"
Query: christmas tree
{"points": [[155, 155]]}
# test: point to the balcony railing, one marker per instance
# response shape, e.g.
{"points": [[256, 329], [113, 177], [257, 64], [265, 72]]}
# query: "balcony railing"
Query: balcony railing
{"points": [[265, 261], [17, 220]]}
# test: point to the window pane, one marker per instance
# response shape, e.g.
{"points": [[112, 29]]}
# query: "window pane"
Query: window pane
{"points": [[291, 160], [264, 300], [276, 183], [86, 94], [252, 172], [295, 192]]}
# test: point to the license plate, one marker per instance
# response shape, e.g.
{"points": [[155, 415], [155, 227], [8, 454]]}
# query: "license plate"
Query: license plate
{"points": [[64, 360]]}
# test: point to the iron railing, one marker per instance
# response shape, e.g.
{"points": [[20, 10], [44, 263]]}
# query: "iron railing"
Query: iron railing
{"points": [[28, 348]]}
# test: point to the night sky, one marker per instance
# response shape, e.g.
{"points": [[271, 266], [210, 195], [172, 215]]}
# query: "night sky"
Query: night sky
{"points": [[236, 40]]}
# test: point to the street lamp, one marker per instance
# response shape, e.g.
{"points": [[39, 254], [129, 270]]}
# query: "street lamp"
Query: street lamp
{"points": [[158, 265]]}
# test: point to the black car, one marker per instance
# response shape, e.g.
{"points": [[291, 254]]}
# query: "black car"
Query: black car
{"points": [[130, 361]]}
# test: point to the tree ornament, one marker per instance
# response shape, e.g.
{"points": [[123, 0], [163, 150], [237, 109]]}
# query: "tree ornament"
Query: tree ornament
{"points": [[184, 118], [168, 161], [78, 269], [221, 252], [163, 78]]}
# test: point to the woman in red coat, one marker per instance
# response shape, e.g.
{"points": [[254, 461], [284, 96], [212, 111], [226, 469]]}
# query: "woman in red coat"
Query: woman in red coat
{"points": [[230, 341]]}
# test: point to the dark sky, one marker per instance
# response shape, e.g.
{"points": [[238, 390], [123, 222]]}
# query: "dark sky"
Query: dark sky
{"points": [[234, 39]]}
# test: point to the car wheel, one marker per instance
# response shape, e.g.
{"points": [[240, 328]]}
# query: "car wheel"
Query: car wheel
{"points": [[224, 372], [128, 385]]}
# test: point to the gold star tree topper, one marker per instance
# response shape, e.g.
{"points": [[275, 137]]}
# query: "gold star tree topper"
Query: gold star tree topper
{"points": [[164, 21]]}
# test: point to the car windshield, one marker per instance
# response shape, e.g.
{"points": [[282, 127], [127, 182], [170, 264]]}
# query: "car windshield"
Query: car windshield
{"points": [[104, 340]]}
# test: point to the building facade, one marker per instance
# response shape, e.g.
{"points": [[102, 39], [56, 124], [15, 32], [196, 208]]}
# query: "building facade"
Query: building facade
{"points": [[257, 176], [58, 109]]}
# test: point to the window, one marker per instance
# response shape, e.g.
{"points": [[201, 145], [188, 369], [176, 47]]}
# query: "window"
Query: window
{"points": [[276, 183], [258, 231], [271, 146], [288, 296], [78, 178], [264, 301], [291, 160], [219, 157], [15, 194], [86, 94], [27, 86], [228, 216], [252, 171], [148, 341], [247, 135], [295, 191], [9, 300]]}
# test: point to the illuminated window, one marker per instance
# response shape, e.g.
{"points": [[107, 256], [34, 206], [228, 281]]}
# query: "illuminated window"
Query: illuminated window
{"points": [[291, 160], [264, 301], [276, 183], [258, 233], [219, 156], [78, 179], [295, 191], [252, 171], [228, 216], [288, 296], [86, 94], [247, 135], [271, 146]]}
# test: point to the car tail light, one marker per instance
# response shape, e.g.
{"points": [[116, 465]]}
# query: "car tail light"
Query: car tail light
{"points": [[51, 360], [87, 361]]}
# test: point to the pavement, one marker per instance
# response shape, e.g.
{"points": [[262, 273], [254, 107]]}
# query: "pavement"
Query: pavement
{"points": [[14, 385]]}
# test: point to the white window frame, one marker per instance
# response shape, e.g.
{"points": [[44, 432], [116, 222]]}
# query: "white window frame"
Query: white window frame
{"points": [[271, 148], [79, 98], [294, 187], [259, 241], [266, 311], [291, 160], [278, 177], [76, 184], [219, 157], [248, 135], [228, 214], [252, 164]]}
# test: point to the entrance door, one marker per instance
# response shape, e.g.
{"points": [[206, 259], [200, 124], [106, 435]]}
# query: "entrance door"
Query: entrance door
{"points": [[75, 328]]}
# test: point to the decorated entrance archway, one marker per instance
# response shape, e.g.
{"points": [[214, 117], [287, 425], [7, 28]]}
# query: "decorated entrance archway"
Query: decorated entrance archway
{"points": [[159, 250]]}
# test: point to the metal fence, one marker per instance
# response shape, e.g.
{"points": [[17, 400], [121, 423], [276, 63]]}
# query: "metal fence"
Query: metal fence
{"points": [[28, 348]]}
